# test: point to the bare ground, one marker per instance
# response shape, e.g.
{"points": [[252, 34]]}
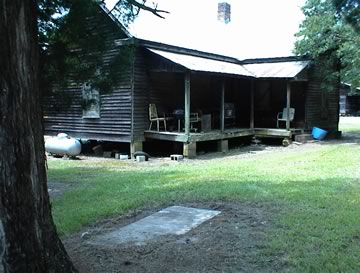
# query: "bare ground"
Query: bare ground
{"points": [[230, 242]]}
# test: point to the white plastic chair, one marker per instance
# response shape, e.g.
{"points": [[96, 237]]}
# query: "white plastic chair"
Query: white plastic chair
{"points": [[282, 116]]}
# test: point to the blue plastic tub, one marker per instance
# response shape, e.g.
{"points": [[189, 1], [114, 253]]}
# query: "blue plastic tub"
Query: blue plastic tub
{"points": [[318, 133]]}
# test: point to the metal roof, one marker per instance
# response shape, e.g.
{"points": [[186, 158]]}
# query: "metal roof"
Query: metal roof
{"points": [[277, 69], [271, 69], [195, 63]]}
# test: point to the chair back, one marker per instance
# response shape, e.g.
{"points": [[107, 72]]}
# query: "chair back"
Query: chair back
{"points": [[292, 113], [152, 111], [229, 110]]}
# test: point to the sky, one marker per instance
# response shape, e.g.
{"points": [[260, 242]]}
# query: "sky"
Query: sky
{"points": [[258, 28]]}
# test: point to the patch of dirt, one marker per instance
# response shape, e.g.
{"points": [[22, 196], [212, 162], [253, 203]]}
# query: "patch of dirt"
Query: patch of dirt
{"points": [[57, 189], [230, 242]]}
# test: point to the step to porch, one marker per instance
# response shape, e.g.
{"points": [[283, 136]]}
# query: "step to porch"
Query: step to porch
{"points": [[303, 138]]}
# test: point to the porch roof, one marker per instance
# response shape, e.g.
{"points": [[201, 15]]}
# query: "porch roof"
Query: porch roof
{"points": [[196, 63], [288, 69], [270, 69]]}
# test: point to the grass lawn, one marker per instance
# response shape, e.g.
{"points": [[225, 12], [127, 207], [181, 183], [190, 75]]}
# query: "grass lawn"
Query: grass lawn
{"points": [[350, 124], [317, 190]]}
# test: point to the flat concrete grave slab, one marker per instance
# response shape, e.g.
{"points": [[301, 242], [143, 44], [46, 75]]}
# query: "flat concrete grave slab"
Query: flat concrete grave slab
{"points": [[174, 220]]}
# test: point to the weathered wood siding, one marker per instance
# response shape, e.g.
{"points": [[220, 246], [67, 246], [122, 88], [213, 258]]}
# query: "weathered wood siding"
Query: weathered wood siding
{"points": [[167, 90], [63, 113], [141, 92], [322, 103]]}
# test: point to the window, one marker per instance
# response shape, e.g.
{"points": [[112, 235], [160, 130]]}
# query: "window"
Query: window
{"points": [[91, 101]]}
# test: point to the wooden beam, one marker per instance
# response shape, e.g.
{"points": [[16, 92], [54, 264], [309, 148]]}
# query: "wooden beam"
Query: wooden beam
{"points": [[252, 106], [169, 136], [135, 146], [189, 150], [187, 103], [222, 106], [217, 135], [266, 132], [199, 137], [288, 97], [181, 50], [164, 70], [223, 145]]}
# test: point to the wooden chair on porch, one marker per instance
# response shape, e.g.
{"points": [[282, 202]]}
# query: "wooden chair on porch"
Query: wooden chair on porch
{"points": [[153, 116], [282, 116], [229, 114], [195, 118]]}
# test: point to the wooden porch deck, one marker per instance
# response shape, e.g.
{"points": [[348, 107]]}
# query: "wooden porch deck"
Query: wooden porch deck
{"points": [[198, 136], [272, 132], [218, 135]]}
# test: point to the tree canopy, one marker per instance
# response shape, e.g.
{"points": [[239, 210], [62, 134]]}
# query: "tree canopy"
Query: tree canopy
{"points": [[72, 48], [331, 28], [350, 10]]}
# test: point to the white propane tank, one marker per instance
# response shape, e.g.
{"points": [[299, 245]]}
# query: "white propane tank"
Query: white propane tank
{"points": [[62, 144]]}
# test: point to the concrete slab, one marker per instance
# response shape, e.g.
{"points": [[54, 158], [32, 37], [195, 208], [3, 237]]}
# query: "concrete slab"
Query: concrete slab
{"points": [[175, 220]]}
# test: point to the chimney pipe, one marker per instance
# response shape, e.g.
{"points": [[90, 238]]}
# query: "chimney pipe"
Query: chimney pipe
{"points": [[224, 12]]}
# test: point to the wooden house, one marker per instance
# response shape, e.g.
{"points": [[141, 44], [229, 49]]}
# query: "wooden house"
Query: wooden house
{"points": [[349, 101], [209, 97]]}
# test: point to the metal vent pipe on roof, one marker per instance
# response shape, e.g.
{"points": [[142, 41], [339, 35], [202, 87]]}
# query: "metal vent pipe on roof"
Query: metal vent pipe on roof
{"points": [[224, 12]]}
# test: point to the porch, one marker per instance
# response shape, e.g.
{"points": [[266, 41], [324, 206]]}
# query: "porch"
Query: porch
{"points": [[190, 140], [218, 135], [229, 103], [198, 136]]}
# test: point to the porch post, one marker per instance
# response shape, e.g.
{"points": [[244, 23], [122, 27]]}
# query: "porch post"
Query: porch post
{"points": [[252, 107], [288, 96], [135, 146], [222, 107], [187, 102], [189, 150]]}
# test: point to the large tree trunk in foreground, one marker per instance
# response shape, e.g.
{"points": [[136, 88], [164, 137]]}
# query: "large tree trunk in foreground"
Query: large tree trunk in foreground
{"points": [[28, 239]]}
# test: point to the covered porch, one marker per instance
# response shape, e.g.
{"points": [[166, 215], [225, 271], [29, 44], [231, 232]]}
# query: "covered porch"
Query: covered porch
{"points": [[227, 100]]}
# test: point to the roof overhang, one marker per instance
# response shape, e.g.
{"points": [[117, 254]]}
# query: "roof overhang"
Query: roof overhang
{"points": [[287, 69], [200, 64]]}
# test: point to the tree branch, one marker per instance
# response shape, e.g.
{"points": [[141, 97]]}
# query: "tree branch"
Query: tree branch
{"points": [[142, 5]]}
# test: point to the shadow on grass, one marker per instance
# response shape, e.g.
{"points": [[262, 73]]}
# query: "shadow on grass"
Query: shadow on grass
{"points": [[347, 138], [105, 193], [234, 151], [73, 175]]}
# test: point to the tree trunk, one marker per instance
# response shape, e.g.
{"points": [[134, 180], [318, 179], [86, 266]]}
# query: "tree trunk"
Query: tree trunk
{"points": [[28, 238]]}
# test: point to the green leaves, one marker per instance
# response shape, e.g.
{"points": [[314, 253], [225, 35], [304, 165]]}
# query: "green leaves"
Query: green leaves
{"points": [[77, 43], [325, 32], [77, 49], [350, 11]]}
